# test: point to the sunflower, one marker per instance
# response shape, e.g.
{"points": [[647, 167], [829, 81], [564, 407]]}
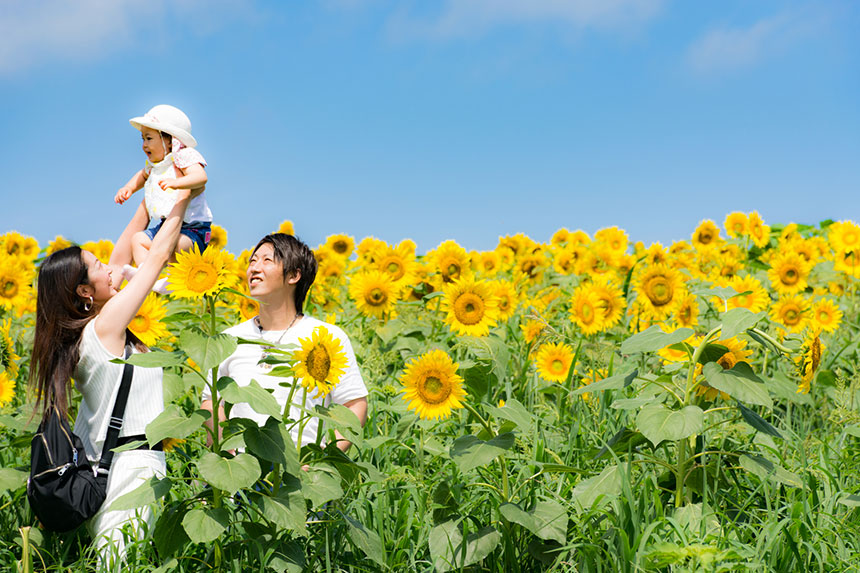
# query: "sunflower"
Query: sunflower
{"points": [[286, 227], [507, 298], [531, 265], [58, 244], [809, 360], [826, 315], [8, 358], [597, 260], [320, 362], [560, 237], [553, 361], [756, 298], [506, 256], [735, 352], [671, 355], [788, 272], [218, 237], [451, 261], [196, 275], [848, 263], [374, 293], [470, 307], [487, 263], [17, 245], [431, 385], [367, 248], [660, 290], [564, 259], [398, 262], [807, 249], [146, 324], [102, 249], [844, 236], [791, 311], [736, 224], [614, 238], [687, 313], [7, 388], [707, 234], [656, 254], [610, 300], [758, 231], [248, 307], [331, 268], [585, 310], [341, 244], [16, 279], [578, 237], [531, 329]]}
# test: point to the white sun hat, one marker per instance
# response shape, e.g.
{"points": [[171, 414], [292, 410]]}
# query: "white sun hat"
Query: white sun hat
{"points": [[168, 119]]}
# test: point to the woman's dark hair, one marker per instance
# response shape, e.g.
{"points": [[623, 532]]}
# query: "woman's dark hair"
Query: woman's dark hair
{"points": [[61, 315], [294, 256]]}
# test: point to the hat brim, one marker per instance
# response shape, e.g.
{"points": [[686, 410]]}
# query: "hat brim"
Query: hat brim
{"points": [[186, 138]]}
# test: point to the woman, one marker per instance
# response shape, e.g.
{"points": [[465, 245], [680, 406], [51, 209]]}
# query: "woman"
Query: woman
{"points": [[81, 325]]}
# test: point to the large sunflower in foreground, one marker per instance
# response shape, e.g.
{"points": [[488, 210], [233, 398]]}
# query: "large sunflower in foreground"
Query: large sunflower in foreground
{"points": [[788, 273], [7, 388], [432, 386], [196, 275], [320, 362], [553, 361], [470, 307], [660, 290], [8, 358], [146, 324], [374, 293], [792, 312]]}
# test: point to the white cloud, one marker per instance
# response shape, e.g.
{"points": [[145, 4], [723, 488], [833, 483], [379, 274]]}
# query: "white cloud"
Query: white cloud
{"points": [[471, 17], [35, 31], [726, 49]]}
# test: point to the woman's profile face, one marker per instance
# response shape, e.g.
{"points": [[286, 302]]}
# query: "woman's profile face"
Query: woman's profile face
{"points": [[99, 276]]}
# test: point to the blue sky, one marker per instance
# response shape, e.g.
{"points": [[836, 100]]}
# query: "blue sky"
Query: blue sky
{"points": [[463, 119]]}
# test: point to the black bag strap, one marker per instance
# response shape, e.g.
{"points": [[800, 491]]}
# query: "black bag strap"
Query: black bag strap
{"points": [[115, 423]]}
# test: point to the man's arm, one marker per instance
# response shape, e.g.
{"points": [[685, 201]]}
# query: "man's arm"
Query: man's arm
{"points": [[212, 422], [359, 408]]}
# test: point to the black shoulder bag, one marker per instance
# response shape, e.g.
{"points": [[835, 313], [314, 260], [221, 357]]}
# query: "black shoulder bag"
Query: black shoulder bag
{"points": [[63, 489]]}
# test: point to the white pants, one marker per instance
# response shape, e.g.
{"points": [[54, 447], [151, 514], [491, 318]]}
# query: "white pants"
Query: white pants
{"points": [[128, 471]]}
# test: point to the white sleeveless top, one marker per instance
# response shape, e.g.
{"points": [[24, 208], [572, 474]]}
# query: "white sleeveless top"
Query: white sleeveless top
{"points": [[98, 380], [160, 201]]}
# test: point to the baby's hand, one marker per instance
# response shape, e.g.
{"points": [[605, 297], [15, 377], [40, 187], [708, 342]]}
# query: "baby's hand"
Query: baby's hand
{"points": [[167, 184], [123, 195]]}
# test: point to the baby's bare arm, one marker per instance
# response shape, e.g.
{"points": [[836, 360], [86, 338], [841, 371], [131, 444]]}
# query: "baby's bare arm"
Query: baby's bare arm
{"points": [[192, 177], [127, 190]]}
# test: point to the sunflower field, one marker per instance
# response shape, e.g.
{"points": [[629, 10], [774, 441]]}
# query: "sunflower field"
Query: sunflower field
{"points": [[585, 404]]}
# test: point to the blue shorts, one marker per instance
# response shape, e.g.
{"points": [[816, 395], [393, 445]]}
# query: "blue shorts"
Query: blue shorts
{"points": [[198, 231]]}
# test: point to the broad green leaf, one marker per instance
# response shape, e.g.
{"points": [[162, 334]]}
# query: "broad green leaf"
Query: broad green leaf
{"points": [[632, 403], [207, 351], [653, 339], [450, 551], [173, 423], [737, 320], [757, 422], [290, 558], [205, 525], [154, 359], [321, 485], [253, 394], [547, 520], [148, 492], [599, 489], [739, 382], [23, 422], [272, 442], [766, 469], [514, 411], [169, 535], [173, 386], [722, 292], [229, 475], [470, 452], [490, 349], [851, 500], [853, 430], [287, 509], [367, 540], [615, 382], [12, 479], [658, 423], [345, 421]]}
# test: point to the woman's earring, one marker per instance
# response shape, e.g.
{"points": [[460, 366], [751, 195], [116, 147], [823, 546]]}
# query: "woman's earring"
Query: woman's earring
{"points": [[88, 306]]}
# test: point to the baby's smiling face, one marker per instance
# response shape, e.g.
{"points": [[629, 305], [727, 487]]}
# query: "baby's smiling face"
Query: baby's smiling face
{"points": [[153, 144]]}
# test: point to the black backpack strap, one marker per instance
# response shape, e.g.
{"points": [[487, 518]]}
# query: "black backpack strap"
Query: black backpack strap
{"points": [[115, 423]]}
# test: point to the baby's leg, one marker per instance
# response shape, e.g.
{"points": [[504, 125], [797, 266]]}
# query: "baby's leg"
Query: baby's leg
{"points": [[140, 244], [183, 244]]}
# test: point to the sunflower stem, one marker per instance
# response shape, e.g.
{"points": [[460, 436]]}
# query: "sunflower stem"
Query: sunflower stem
{"points": [[772, 340], [481, 419], [302, 421]]}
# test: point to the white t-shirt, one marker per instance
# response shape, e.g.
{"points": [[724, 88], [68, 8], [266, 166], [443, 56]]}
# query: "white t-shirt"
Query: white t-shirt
{"points": [[242, 366], [98, 380], [159, 202]]}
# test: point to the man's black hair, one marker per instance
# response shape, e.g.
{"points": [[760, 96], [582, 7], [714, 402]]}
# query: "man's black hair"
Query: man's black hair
{"points": [[294, 255]]}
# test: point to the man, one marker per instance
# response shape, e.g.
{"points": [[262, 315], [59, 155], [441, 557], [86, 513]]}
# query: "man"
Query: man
{"points": [[280, 272]]}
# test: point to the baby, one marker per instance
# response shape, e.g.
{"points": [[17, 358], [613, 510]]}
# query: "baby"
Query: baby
{"points": [[172, 163]]}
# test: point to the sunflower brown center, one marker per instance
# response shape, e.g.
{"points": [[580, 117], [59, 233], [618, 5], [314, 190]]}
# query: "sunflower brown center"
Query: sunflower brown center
{"points": [[727, 360], [659, 291], [469, 308], [791, 316], [202, 278], [434, 390], [318, 363], [340, 247], [376, 297], [557, 366], [452, 271], [790, 276], [393, 267], [140, 323], [10, 288]]}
